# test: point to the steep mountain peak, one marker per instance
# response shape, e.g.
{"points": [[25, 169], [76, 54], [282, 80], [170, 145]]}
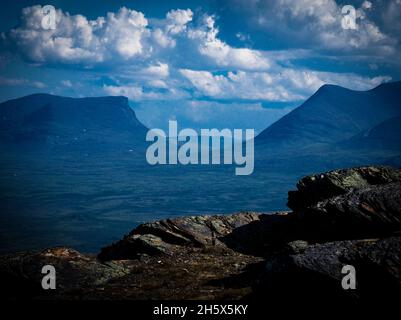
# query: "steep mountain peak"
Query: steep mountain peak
{"points": [[333, 114], [327, 91], [330, 87]]}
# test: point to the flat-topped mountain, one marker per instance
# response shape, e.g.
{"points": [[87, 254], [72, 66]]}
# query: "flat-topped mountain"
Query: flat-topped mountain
{"points": [[43, 119]]}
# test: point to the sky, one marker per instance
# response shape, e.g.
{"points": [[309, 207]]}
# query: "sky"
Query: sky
{"points": [[206, 64]]}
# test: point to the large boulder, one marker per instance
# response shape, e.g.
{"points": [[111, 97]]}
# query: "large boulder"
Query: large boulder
{"points": [[318, 187], [171, 235]]}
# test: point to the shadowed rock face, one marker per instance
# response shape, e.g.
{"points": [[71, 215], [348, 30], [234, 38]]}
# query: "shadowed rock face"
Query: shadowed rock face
{"points": [[329, 258], [367, 212], [314, 272], [349, 217], [74, 271]]}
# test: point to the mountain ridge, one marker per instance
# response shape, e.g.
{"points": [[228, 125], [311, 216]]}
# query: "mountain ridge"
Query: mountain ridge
{"points": [[332, 114]]}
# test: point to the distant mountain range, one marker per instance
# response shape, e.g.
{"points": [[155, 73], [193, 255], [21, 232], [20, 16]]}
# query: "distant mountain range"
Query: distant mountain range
{"points": [[332, 118]]}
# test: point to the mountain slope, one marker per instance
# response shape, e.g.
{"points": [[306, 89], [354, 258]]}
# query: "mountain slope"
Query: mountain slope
{"points": [[333, 114], [47, 120], [386, 135]]}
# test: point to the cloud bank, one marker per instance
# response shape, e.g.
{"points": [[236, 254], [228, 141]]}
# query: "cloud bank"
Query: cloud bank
{"points": [[183, 57]]}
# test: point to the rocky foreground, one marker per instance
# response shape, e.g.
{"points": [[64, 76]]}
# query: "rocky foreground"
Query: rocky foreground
{"points": [[344, 217]]}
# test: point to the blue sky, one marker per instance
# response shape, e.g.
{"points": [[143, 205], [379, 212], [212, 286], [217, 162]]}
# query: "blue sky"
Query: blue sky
{"points": [[235, 64]]}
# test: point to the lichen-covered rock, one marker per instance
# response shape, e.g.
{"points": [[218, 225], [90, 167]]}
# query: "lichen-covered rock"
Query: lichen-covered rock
{"points": [[168, 236], [315, 188], [297, 246]]}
